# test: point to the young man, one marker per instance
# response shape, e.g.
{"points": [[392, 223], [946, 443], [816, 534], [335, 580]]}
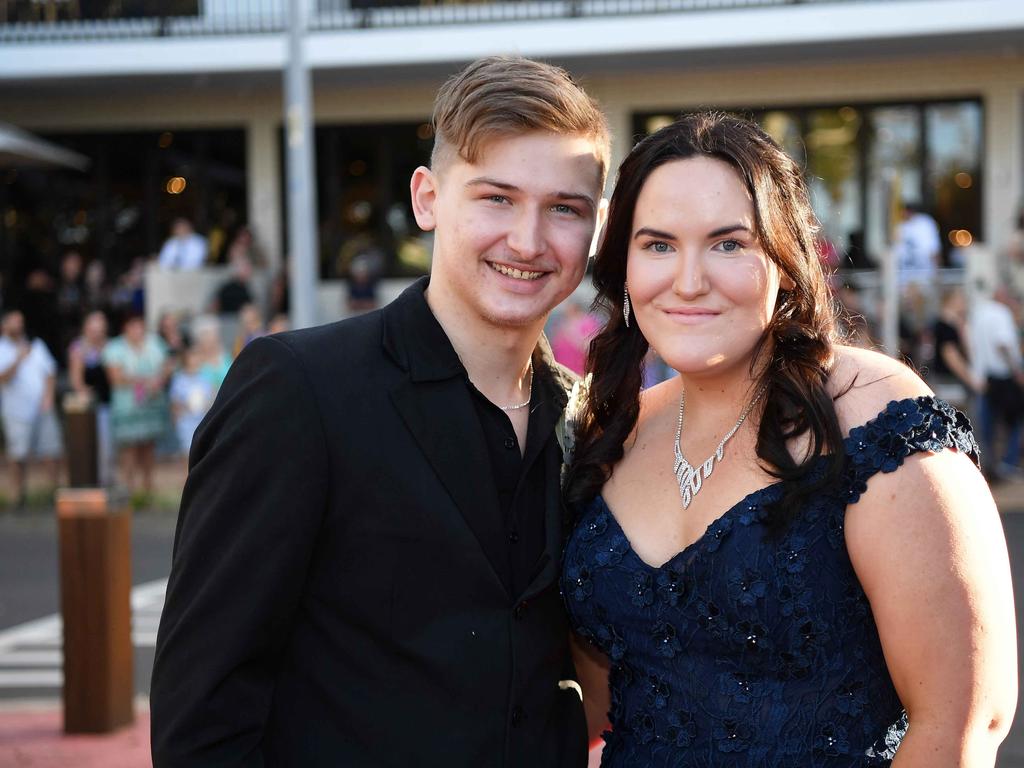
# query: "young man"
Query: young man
{"points": [[367, 553]]}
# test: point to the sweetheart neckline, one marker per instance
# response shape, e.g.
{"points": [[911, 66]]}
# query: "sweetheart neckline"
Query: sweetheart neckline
{"points": [[693, 544]]}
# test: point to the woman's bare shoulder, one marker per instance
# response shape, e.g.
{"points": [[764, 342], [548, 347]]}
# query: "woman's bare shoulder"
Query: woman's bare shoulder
{"points": [[863, 382]]}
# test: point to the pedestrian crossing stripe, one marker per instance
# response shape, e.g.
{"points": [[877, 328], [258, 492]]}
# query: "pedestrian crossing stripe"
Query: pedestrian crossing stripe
{"points": [[31, 654]]}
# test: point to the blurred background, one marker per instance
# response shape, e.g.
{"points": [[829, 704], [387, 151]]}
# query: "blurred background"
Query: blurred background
{"points": [[168, 192]]}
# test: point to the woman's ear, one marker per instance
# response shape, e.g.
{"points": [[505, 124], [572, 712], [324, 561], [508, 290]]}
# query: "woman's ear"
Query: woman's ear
{"points": [[423, 189]]}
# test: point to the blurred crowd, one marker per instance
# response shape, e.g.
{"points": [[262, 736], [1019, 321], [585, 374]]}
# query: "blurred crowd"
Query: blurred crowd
{"points": [[74, 341]]}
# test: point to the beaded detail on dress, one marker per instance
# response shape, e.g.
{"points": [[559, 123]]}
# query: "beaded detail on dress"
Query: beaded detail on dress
{"points": [[749, 648]]}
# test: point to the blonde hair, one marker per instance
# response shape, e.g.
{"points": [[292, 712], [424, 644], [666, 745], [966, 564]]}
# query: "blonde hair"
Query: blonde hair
{"points": [[508, 96]]}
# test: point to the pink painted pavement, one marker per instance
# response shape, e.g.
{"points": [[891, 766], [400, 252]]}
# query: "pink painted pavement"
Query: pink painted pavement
{"points": [[33, 737]]}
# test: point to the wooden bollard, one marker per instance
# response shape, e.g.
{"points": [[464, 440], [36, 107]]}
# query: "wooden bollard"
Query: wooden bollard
{"points": [[81, 442], [94, 528]]}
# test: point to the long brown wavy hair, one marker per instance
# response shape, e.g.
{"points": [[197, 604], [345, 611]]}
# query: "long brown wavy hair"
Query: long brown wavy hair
{"points": [[792, 358]]}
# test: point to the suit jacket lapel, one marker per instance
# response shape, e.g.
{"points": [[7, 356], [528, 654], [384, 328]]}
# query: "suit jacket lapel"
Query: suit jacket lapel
{"points": [[437, 408], [441, 418]]}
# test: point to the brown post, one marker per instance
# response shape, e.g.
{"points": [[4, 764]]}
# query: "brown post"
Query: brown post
{"points": [[95, 595], [81, 442]]}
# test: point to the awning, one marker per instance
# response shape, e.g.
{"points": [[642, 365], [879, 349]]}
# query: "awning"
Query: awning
{"points": [[20, 148]]}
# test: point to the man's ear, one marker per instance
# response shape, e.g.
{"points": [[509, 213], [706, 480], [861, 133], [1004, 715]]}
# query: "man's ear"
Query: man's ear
{"points": [[423, 189]]}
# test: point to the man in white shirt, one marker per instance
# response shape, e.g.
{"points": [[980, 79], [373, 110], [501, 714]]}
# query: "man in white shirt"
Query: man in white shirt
{"points": [[918, 246], [184, 249], [27, 377], [997, 360]]}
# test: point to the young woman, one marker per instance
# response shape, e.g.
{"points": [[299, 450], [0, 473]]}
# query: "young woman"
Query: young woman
{"points": [[785, 553]]}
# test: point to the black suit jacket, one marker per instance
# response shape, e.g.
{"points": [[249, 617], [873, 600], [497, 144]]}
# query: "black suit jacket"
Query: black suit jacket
{"points": [[334, 598]]}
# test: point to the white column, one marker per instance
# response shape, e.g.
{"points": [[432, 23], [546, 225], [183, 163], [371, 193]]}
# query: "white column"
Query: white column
{"points": [[264, 184]]}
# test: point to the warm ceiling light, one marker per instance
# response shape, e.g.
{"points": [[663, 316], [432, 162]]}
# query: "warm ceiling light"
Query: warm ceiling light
{"points": [[961, 238], [176, 185]]}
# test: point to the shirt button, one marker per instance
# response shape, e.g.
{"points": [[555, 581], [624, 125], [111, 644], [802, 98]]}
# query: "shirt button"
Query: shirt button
{"points": [[513, 537], [519, 611], [518, 715], [510, 443]]}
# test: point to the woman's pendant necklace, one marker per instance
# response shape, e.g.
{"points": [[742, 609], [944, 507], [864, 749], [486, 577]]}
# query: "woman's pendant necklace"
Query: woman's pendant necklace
{"points": [[690, 478]]}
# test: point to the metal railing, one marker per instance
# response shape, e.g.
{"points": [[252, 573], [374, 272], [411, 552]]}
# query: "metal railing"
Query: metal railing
{"points": [[47, 21]]}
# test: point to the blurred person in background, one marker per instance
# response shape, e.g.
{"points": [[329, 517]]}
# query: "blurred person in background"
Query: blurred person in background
{"points": [[243, 245], [70, 301], [235, 292], [185, 249], [96, 290], [136, 363], [38, 304], [250, 327], [214, 362], [573, 332], [279, 294], [951, 374], [917, 246], [191, 394], [362, 283], [173, 335], [28, 375], [994, 341], [856, 331], [1015, 244], [128, 296], [88, 378], [278, 324]]}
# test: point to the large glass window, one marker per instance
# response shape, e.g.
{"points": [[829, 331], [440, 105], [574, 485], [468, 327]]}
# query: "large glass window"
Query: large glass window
{"points": [[363, 174], [834, 176], [894, 170], [953, 172]]}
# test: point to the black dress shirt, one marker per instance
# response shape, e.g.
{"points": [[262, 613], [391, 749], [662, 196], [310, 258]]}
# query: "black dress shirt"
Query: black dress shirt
{"points": [[519, 476]]}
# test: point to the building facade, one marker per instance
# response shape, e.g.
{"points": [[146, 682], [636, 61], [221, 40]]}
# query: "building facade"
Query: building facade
{"points": [[881, 100]]}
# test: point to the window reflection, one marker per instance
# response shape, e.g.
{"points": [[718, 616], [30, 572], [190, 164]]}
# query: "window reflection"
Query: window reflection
{"points": [[834, 180], [894, 175], [365, 217], [953, 174]]}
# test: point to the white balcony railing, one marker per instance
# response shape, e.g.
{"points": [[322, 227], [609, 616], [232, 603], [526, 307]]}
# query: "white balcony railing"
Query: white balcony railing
{"points": [[45, 21]]}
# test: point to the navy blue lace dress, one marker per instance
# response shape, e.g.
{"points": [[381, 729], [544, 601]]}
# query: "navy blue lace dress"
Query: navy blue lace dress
{"points": [[749, 649]]}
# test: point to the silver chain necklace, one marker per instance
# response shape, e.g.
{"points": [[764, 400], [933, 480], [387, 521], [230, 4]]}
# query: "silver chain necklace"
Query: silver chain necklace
{"points": [[688, 476], [529, 393]]}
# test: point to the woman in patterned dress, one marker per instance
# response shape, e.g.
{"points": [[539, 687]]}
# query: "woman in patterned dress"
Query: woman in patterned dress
{"points": [[136, 363]]}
